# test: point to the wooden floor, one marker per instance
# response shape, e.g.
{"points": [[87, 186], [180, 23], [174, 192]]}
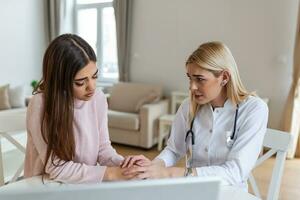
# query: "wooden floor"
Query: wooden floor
{"points": [[290, 185]]}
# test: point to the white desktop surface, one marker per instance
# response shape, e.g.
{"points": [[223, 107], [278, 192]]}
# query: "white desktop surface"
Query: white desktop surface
{"points": [[35, 183]]}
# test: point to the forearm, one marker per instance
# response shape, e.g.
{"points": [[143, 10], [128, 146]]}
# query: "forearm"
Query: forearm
{"points": [[168, 156], [173, 172], [169, 172], [158, 161], [112, 174], [71, 172], [108, 156], [230, 172]]}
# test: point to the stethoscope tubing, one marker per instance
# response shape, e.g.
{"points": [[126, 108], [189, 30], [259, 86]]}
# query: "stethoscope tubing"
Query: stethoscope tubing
{"points": [[190, 131]]}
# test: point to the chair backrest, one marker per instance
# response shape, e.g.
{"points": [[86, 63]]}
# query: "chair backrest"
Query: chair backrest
{"points": [[278, 142], [13, 120]]}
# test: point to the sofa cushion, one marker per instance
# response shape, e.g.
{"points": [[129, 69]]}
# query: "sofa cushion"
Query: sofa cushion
{"points": [[123, 120], [149, 98], [13, 111], [13, 120], [129, 97], [4, 98], [16, 96]]}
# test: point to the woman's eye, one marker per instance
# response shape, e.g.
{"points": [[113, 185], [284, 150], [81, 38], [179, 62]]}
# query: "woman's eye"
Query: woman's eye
{"points": [[95, 76], [200, 79], [78, 84]]}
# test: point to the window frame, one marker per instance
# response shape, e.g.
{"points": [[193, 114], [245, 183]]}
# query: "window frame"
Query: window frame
{"points": [[99, 6]]}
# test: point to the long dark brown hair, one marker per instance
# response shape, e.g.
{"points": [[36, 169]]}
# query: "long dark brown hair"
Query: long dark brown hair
{"points": [[65, 56]]}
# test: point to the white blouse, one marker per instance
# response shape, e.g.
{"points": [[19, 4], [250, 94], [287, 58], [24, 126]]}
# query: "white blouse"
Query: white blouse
{"points": [[211, 155]]}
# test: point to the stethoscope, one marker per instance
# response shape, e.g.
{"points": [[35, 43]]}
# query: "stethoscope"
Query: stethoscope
{"points": [[229, 137]]}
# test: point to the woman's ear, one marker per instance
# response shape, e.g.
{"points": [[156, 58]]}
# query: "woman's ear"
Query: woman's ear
{"points": [[225, 77], [223, 83]]}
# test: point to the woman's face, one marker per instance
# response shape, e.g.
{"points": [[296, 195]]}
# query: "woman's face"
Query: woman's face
{"points": [[85, 82], [204, 86]]}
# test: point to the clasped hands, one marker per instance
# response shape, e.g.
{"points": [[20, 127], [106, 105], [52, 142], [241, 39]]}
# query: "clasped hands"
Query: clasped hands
{"points": [[139, 167]]}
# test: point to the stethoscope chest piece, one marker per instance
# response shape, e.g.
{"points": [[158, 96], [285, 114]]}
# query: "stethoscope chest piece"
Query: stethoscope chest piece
{"points": [[229, 139], [230, 136]]}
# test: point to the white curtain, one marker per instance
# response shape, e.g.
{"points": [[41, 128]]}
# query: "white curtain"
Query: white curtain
{"points": [[61, 15], [291, 120], [123, 14]]}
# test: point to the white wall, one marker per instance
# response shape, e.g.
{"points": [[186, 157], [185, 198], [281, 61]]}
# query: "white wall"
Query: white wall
{"points": [[259, 33], [23, 39]]}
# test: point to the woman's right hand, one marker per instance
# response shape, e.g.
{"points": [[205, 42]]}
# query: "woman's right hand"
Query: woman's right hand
{"points": [[155, 170], [139, 160], [116, 173]]}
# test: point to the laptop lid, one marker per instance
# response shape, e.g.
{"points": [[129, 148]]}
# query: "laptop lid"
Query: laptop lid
{"points": [[191, 188]]}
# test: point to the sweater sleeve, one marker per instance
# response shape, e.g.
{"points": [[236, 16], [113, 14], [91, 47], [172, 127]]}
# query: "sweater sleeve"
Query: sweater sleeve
{"points": [[65, 171], [107, 154]]}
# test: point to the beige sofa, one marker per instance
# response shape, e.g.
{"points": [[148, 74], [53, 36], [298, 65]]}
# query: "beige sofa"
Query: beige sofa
{"points": [[133, 113]]}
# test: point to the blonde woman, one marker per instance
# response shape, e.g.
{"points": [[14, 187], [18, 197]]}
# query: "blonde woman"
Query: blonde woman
{"points": [[220, 128]]}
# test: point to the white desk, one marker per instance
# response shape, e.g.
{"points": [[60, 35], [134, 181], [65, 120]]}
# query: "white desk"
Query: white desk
{"points": [[226, 193]]}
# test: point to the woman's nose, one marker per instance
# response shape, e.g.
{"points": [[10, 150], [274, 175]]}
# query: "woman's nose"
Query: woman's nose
{"points": [[193, 85], [91, 85]]}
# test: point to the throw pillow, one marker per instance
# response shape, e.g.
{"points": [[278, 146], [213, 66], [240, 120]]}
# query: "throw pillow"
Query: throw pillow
{"points": [[149, 98], [4, 98], [16, 96]]}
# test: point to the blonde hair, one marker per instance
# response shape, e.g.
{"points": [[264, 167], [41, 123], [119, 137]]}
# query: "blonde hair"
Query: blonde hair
{"points": [[216, 57]]}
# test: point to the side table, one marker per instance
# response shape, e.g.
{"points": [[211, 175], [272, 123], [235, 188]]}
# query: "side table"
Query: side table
{"points": [[165, 124], [177, 98]]}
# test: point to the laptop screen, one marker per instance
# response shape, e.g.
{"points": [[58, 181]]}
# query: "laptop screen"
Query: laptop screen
{"points": [[192, 188]]}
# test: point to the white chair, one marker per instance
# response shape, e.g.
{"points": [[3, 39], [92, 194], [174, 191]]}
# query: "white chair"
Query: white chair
{"points": [[10, 122], [278, 142]]}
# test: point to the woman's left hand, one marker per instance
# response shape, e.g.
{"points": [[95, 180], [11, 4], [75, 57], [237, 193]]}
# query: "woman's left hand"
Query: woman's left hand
{"points": [[151, 171], [139, 160]]}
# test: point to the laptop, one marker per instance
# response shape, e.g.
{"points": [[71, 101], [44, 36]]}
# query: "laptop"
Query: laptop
{"points": [[192, 188]]}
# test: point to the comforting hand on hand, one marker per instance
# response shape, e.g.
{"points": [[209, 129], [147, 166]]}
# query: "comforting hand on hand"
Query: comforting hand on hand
{"points": [[140, 167], [152, 171], [139, 160]]}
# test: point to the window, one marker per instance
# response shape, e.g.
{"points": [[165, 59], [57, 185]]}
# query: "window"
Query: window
{"points": [[95, 22]]}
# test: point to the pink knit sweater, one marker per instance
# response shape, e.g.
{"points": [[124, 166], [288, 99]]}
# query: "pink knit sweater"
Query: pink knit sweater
{"points": [[93, 148]]}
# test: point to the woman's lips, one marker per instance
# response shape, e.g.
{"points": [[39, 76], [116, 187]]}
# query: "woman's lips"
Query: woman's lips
{"points": [[198, 96], [89, 94]]}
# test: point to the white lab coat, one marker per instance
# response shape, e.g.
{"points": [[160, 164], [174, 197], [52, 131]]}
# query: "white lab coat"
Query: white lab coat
{"points": [[211, 155]]}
